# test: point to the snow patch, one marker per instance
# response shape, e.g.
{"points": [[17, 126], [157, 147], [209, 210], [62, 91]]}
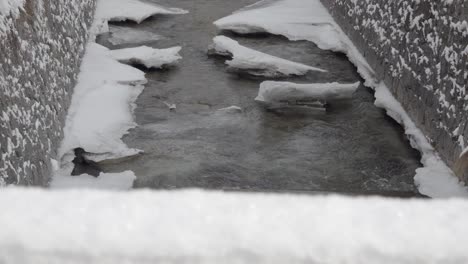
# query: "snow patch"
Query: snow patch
{"points": [[272, 92], [99, 115], [147, 56], [294, 19], [133, 10], [255, 62]]}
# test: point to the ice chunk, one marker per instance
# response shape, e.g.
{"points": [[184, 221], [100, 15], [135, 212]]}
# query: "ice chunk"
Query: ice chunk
{"points": [[255, 62], [294, 19], [134, 10], [271, 91], [147, 56]]}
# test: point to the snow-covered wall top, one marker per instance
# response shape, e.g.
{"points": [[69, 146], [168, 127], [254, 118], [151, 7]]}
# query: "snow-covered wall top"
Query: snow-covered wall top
{"points": [[420, 49], [41, 43]]}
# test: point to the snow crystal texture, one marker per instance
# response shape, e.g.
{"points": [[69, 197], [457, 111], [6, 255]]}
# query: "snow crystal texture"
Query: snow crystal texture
{"points": [[213, 227]]}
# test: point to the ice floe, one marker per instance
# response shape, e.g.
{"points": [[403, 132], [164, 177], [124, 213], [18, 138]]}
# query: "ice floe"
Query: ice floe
{"points": [[255, 62], [271, 91], [147, 56]]}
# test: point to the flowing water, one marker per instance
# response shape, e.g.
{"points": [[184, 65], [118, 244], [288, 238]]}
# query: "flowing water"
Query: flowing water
{"points": [[352, 148]]}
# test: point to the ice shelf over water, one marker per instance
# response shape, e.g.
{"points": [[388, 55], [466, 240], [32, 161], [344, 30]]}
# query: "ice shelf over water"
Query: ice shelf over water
{"points": [[214, 227], [132, 10], [310, 20], [147, 56], [294, 19], [271, 91], [102, 106], [255, 62]]}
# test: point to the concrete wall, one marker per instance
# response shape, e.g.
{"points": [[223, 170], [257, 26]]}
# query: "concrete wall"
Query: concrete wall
{"points": [[420, 49], [40, 51]]}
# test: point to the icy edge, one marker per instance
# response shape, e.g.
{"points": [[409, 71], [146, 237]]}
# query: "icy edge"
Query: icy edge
{"points": [[255, 62], [435, 179]]}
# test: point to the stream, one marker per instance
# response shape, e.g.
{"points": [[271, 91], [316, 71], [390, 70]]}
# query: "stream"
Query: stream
{"points": [[351, 148]]}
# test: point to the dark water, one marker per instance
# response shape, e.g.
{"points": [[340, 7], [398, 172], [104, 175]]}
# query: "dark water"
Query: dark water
{"points": [[353, 147]]}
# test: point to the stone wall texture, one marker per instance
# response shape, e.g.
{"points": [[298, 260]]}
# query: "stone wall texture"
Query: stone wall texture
{"points": [[41, 46], [419, 48]]}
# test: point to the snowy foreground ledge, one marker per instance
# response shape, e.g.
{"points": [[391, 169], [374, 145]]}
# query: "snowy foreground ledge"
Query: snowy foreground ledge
{"points": [[214, 227], [255, 62], [272, 92], [310, 20]]}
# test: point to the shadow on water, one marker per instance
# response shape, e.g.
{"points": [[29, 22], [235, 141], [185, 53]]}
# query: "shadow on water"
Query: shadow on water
{"points": [[351, 148]]}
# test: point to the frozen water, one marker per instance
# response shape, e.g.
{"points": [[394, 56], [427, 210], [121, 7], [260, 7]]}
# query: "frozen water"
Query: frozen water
{"points": [[255, 62]]}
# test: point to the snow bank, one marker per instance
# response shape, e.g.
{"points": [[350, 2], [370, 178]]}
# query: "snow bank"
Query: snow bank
{"points": [[101, 109], [271, 91], [147, 56], [99, 115], [255, 62], [294, 19], [214, 227], [122, 10], [309, 20]]}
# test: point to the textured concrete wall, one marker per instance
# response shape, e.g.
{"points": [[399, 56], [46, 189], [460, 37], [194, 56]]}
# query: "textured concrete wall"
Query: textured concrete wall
{"points": [[420, 49], [40, 51]]}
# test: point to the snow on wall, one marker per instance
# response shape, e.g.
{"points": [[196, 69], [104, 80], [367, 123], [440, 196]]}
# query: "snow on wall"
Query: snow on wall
{"points": [[420, 50], [41, 43]]}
